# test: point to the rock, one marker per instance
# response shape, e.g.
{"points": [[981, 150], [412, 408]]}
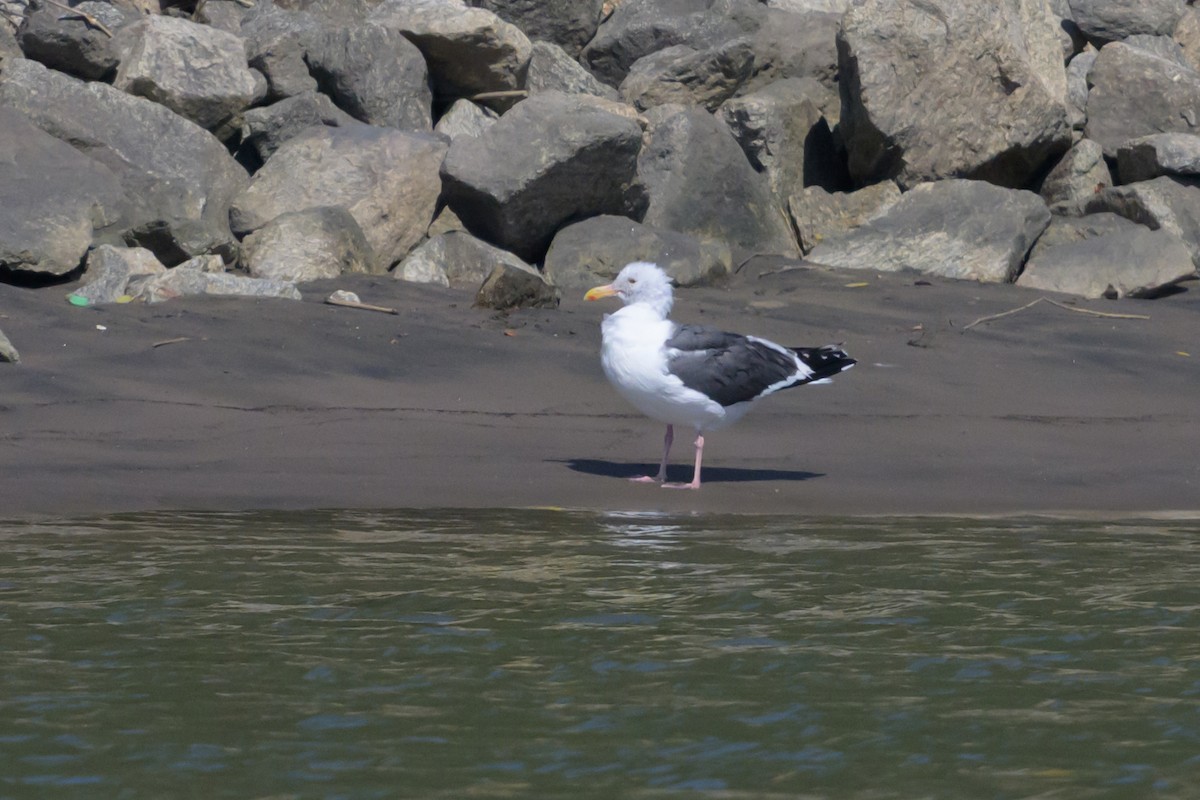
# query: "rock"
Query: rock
{"points": [[276, 43], [1076, 178], [196, 71], [1159, 154], [178, 177], [464, 118], [53, 199], [445, 222], [68, 43], [454, 258], [1160, 203], [1077, 87], [568, 24], [1135, 93], [963, 229], [110, 269], [827, 6], [266, 128], [515, 285], [551, 159], [387, 179], [197, 276], [1069, 230], [226, 15], [1129, 263], [551, 69], [595, 250], [637, 29], [914, 82], [699, 182], [373, 73], [8, 353], [788, 44], [1187, 34], [309, 245], [1069, 36], [1105, 21], [777, 128], [469, 50], [817, 214], [682, 74], [1162, 46]]}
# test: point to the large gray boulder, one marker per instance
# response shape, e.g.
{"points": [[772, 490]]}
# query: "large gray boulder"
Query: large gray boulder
{"points": [[109, 271], [954, 228], [1078, 69], [1070, 230], [791, 44], [594, 251], [453, 258], [1137, 92], [309, 245], [551, 69], [266, 128], [916, 75], [53, 199], [1159, 154], [1137, 262], [203, 275], [464, 118], [468, 50], [1164, 203], [818, 214], [179, 178], [683, 74], [777, 128], [570, 24], [70, 44], [636, 30], [551, 159], [515, 285], [1104, 21], [196, 71], [699, 182], [276, 42], [373, 73], [1076, 178], [387, 179]]}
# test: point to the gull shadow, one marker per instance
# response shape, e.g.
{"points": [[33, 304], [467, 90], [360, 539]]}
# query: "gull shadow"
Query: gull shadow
{"points": [[683, 472]]}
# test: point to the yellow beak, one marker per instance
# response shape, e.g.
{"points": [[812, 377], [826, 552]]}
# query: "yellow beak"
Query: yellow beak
{"points": [[600, 292]]}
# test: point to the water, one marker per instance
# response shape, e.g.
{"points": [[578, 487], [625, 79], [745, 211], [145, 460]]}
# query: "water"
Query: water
{"points": [[553, 654]]}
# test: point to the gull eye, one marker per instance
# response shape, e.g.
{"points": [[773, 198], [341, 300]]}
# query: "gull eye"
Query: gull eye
{"points": [[633, 280]]}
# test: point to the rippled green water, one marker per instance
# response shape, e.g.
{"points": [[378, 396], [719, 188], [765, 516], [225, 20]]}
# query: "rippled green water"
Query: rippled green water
{"points": [[552, 654]]}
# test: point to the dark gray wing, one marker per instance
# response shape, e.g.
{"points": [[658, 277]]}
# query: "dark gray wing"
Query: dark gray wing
{"points": [[728, 367]]}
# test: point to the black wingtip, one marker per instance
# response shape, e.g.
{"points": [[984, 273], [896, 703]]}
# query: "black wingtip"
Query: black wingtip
{"points": [[824, 361]]}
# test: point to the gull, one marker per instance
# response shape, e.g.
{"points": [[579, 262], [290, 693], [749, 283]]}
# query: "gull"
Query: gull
{"points": [[693, 375]]}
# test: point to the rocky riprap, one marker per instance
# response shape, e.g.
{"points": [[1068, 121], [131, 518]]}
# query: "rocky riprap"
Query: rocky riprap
{"points": [[523, 149]]}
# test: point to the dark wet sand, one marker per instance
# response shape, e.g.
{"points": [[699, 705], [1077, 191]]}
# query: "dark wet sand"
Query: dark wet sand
{"points": [[277, 404]]}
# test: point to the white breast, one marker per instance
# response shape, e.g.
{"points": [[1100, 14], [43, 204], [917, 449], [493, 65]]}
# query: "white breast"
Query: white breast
{"points": [[634, 359]]}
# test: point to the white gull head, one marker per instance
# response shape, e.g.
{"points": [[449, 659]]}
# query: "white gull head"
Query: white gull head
{"points": [[639, 283]]}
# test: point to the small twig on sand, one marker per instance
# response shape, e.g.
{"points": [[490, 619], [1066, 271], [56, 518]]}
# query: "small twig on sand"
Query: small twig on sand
{"points": [[176, 340], [1011, 311], [86, 17], [499, 95], [364, 306]]}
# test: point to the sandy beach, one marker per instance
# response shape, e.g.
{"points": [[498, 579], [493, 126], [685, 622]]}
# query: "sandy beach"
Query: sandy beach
{"points": [[235, 404]]}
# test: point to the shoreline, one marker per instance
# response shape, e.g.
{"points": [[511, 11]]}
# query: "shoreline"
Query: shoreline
{"points": [[273, 404]]}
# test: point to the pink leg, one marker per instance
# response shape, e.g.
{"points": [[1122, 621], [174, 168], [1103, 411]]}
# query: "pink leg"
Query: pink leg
{"points": [[662, 468], [695, 484]]}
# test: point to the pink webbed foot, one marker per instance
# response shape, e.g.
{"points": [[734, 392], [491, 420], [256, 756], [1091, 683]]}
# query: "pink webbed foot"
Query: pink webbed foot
{"points": [[693, 485], [645, 479]]}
